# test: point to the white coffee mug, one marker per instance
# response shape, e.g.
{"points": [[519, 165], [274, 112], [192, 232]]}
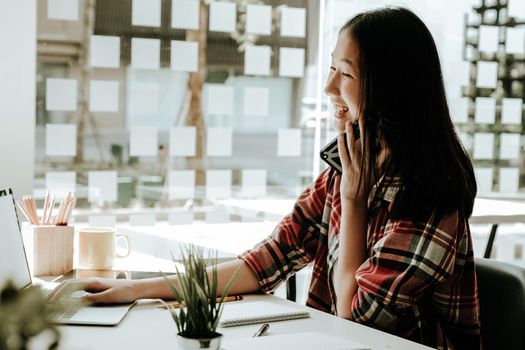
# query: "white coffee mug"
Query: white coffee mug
{"points": [[97, 247]]}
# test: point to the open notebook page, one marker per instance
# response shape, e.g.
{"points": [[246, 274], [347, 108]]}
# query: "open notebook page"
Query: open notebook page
{"points": [[239, 314]]}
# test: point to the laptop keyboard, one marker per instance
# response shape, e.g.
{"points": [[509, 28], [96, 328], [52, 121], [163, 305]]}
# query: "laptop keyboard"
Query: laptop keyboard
{"points": [[72, 306]]}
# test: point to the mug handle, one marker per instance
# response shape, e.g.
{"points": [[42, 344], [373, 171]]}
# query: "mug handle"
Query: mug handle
{"points": [[128, 245]]}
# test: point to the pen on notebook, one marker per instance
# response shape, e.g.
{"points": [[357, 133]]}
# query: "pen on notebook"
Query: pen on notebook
{"points": [[262, 331], [178, 305]]}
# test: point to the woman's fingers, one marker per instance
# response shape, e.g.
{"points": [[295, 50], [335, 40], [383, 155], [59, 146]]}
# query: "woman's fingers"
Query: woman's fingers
{"points": [[343, 151], [364, 138]]}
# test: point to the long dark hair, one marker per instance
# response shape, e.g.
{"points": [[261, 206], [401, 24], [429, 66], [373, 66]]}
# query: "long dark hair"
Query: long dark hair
{"points": [[403, 100]]}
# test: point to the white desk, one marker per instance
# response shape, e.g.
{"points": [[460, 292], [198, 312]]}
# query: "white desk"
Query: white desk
{"points": [[147, 327]]}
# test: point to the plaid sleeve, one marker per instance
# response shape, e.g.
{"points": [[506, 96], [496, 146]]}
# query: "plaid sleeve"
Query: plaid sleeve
{"points": [[404, 263], [293, 243]]}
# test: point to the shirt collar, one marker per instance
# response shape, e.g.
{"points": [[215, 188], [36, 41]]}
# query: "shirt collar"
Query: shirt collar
{"points": [[392, 185]]}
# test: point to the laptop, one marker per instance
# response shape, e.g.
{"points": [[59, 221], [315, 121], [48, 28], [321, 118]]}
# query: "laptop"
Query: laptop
{"points": [[14, 266]]}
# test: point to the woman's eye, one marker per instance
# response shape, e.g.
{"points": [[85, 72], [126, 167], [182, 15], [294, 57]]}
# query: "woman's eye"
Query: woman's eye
{"points": [[346, 75], [332, 68]]}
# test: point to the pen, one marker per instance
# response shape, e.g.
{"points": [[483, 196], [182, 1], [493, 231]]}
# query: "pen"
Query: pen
{"points": [[227, 299], [262, 331]]}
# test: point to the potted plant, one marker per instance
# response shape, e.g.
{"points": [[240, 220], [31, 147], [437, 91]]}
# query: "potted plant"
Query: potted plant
{"points": [[198, 319], [24, 315]]}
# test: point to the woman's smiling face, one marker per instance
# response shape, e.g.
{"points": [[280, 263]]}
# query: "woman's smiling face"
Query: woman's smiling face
{"points": [[343, 83]]}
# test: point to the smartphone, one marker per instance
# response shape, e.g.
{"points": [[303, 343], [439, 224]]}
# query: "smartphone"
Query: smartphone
{"points": [[330, 152]]}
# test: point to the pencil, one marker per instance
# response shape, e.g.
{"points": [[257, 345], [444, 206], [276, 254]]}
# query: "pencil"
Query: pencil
{"points": [[227, 299]]}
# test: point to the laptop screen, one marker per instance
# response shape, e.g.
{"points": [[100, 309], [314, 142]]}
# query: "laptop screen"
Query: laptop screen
{"points": [[13, 263]]}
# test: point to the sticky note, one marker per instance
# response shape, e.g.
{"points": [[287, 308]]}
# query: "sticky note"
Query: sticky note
{"points": [[223, 16], [459, 110], [65, 10], [458, 73], [143, 98], [219, 142], [217, 216], [293, 22], [509, 179], [60, 183], [509, 146], [253, 183], [185, 14], [61, 94], [259, 19], [102, 220], [145, 53], [105, 51], [257, 60], [220, 99], [61, 139], [488, 39], [484, 179], [184, 56], [485, 110], [218, 183], [103, 96], [183, 141], [289, 142], [181, 184], [516, 8], [143, 141], [256, 101], [146, 13], [181, 217], [511, 109], [515, 41], [465, 139], [102, 186], [483, 146], [142, 219], [487, 74], [291, 62]]}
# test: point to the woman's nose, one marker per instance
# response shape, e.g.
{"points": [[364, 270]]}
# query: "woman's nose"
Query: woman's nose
{"points": [[330, 88]]}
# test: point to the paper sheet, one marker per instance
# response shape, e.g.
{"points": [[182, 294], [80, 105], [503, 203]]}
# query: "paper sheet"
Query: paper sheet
{"points": [[102, 186], [142, 220], [146, 13], [509, 180], [484, 179], [143, 98], [183, 141], [181, 184], [219, 142], [509, 146], [184, 56], [145, 53], [218, 184], [511, 109], [143, 141], [483, 146], [105, 51], [103, 96], [289, 143], [293, 22], [185, 14], [61, 139], [65, 10], [61, 94], [516, 8], [223, 16], [459, 110], [253, 183], [102, 221], [256, 101], [59, 183], [485, 110], [217, 216], [488, 39], [515, 41], [291, 62], [257, 60], [487, 74], [181, 218], [259, 19], [220, 99]]}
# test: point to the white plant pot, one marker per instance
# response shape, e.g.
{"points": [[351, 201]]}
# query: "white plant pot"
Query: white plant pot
{"points": [[199, 344]]}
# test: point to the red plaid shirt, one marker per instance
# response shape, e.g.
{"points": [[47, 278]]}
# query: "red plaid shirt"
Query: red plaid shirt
{"points": [[417, 282]]}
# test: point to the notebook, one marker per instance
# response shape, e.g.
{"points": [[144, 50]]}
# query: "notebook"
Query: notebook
{"points": [[240, 314], [303, 341]]}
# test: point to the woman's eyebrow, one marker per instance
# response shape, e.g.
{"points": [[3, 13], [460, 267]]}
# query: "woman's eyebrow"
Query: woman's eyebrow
{"points": [[347, 61]]}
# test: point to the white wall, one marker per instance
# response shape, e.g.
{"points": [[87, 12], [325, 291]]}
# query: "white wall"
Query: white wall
{"points": [[17, 94]]}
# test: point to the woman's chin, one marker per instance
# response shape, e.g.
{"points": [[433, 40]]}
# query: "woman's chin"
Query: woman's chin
{"points": [[339, 124]]}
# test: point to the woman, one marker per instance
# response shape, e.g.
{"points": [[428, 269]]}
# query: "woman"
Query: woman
{"points": [[389, 237]]}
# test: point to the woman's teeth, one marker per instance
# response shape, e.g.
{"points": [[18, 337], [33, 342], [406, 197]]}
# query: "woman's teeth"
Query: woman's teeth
{"points": [[340, 109]]}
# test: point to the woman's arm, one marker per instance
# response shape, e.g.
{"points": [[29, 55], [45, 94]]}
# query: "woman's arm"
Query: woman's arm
{"points": [[123, 291]]}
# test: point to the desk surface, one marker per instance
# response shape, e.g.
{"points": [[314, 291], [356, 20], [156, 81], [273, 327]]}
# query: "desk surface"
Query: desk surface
{"points": [[146, 326]]}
